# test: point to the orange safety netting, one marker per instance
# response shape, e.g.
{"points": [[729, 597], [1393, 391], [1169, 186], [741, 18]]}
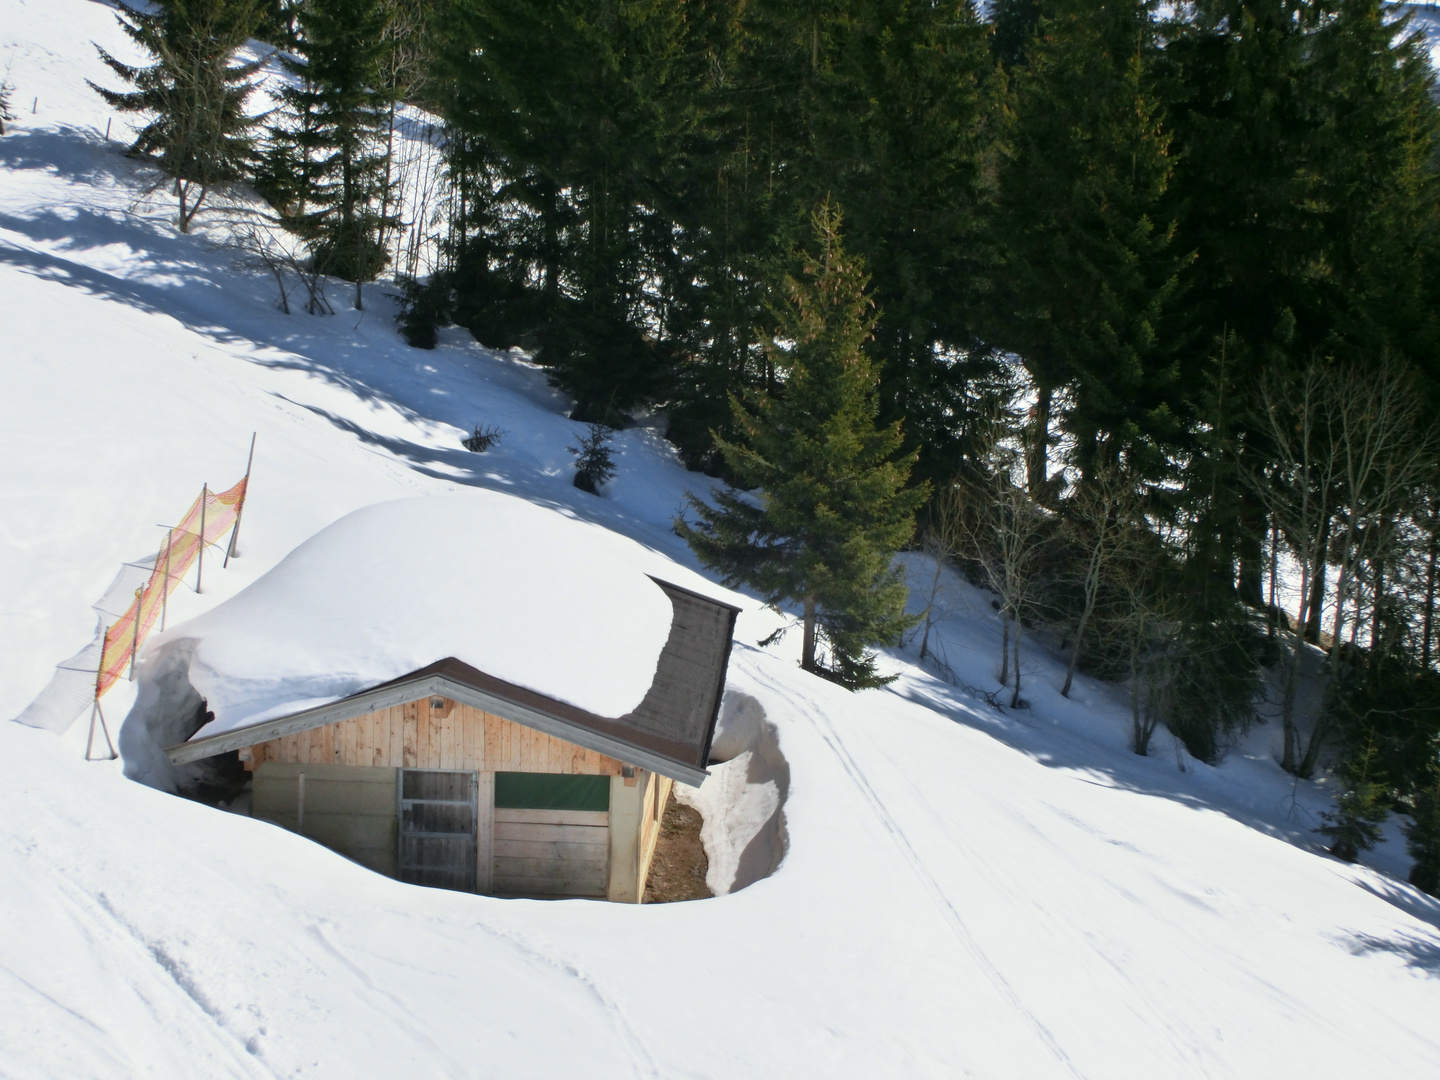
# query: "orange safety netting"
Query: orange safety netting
{"points": [[212, 514]]}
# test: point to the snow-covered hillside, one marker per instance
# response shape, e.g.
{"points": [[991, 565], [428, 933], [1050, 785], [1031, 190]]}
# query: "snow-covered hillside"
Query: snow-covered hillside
{"points": [[965, 891]]}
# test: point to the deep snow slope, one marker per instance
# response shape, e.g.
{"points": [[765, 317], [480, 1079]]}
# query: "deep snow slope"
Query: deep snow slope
{"points": [[966, 891]]}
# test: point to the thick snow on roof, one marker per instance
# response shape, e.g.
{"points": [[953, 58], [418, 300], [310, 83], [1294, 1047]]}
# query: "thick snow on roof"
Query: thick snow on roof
{"points": [[524, 593]]}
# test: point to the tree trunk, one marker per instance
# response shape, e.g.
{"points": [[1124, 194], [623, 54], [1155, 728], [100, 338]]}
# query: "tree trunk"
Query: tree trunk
{"points": [[1287, 706], [1274, 575], [1015, 697], [1341, 583], [1037, 457], [930, 608], [1252, 555], [807, 647], [1004, 646], [1075, 652], [1312, 752], [1315, 606], [1427, 628], [1377, 605], [1140, 743]]}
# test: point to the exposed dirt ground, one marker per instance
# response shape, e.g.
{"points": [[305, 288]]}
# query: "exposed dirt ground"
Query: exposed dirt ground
{"points": [[679, 866]]}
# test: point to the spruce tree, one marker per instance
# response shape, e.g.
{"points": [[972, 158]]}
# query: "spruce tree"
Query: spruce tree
{"points": [[1014, 23], [1307, 132], [833, 506], [6, 112], [328, 166], [566, 121], [194, 93], [902, 140], [1088, 276]]}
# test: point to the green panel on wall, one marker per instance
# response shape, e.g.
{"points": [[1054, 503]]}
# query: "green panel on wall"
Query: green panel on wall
{"points": [[551, 791]]}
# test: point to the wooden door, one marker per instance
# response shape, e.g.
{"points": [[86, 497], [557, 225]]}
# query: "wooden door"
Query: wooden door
{"points": [[552, 834], [437, 812]]}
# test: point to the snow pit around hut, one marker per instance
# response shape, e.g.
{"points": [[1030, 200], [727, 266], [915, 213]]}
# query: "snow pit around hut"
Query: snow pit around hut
{"points": [[524, 593], [742, 801]]}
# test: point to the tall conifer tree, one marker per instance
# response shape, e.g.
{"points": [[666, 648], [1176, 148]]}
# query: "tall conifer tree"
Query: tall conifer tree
{"points": [[1088, 274], [833, 507], [568, 118], [331, 159], [1307, 129], [198, 132]]}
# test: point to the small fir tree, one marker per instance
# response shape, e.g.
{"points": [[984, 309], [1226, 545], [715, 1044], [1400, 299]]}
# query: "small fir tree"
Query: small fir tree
{"points": [[594, 461], [1354, 825], [6, 112], [199, 133], [833, 507]]}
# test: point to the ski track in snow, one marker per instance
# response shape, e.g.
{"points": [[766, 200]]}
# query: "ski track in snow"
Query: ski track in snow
{"points": [[396, 1007], [644, 1065], [170, 992], [825, 728]]}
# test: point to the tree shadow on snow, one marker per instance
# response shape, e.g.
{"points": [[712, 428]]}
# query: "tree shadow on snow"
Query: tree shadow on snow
{"points": [[1406, 897], [1051, 744], [1419, 953]]}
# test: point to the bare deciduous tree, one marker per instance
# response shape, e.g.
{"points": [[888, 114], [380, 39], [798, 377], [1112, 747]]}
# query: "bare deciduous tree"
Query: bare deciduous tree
{"points": [[1003, 531], [942, 541], [1103, 522], [1143, 619], [1349, 447], [260, 241]]}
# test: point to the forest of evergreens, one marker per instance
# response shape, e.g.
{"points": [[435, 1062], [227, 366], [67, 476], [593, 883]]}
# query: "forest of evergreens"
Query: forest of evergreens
{"points": [[1128, 310]]}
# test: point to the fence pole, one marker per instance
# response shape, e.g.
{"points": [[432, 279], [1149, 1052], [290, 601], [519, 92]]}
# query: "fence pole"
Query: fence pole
{"points": [[240, 510], [135, 641], [200, 556], [104, 729], [99, 674], [165, 582], [90, 739]]}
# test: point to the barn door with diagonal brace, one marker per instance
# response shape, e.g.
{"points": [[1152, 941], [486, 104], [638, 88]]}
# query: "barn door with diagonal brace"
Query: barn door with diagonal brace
{"points": [[438, 812]]}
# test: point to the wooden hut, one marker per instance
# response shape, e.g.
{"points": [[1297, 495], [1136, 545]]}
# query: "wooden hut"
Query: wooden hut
{"points": [[453, 778]]}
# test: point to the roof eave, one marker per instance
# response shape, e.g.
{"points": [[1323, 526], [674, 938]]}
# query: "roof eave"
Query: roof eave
{"points": [[405, 690]]}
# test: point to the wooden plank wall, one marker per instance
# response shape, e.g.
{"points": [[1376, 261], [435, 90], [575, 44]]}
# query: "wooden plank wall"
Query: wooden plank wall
{"points": [[657, 794], [349, 810], [551, 852], [417, 736]]}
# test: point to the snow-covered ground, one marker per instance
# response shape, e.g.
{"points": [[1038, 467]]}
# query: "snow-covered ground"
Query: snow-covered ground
{"points": [[965, 891]]}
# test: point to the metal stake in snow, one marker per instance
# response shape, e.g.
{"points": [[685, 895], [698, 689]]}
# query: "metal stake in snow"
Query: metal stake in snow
{"points": [[135, 642], [200, 554], [233, 549], [165, 582], [90, 741], [97, 711]]}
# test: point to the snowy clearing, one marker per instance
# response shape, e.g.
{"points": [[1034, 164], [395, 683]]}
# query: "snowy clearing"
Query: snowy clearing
{"points": [[964, 891]]}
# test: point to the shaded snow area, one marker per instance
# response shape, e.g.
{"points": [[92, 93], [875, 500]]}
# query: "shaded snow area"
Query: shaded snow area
{"points": [[913, 883]]}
